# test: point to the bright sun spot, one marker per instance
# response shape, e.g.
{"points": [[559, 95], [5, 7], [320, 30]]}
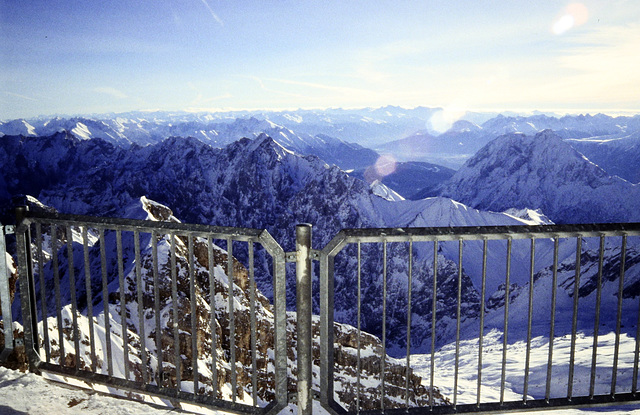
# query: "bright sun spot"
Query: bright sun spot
{"points": [[563, 24], [442, 120], [574, 15]]}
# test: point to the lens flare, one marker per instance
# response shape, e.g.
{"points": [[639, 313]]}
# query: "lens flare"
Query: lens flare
{"points": [[442, 120], [384, 166], [574, 15], [564, 24]]}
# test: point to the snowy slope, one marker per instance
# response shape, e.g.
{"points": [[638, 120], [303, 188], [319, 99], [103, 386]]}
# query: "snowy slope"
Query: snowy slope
{"points": [[31, 394]]}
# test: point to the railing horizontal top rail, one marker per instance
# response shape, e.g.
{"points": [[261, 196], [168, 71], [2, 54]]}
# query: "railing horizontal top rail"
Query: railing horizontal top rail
{"points": [[486, 232], [240, 234]]}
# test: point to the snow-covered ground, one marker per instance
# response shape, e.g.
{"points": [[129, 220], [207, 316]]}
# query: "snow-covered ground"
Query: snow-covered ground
{"points": [[26, 393]]}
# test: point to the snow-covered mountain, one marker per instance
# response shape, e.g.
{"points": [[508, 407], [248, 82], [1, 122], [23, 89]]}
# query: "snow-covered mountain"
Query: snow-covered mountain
{"points": [[543, 172], [335, 135], [569, 126], [125, 132], [250, 183]]}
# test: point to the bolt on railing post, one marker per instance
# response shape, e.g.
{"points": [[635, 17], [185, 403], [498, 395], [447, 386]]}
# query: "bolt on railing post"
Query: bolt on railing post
{"points": [[303, 307]]}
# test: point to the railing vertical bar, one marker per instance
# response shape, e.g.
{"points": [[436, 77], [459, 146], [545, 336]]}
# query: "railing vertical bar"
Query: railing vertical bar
{"points": [[574, 322], [280, 327], [43, 298], [525, 390], [483, 293], [359, 317], [616, 351], [434, 303], [409, 289], [505, 334], [105, 301], [194, 320], [72, 292], [176, 315], [212, 305], [87, 277], [458, 313], [140, 298], [232, 321], [123, 305], [554, 284], [156, 307], [384, 323], [596, 326], [56, 287], [254, 326]]}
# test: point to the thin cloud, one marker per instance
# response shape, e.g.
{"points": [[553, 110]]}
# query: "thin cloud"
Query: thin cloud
{"points": [[275, 91], [20, 96], [215, 16], [606, 64], [315, 85], [201, 100], [110, 91]]}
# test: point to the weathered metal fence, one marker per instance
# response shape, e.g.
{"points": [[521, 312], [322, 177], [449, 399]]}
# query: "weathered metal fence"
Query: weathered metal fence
{"points": [[460, 236], [162, 326], [152, 278]]}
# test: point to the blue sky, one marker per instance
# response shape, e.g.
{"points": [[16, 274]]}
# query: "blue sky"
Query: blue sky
{"points": [[79, 57]]}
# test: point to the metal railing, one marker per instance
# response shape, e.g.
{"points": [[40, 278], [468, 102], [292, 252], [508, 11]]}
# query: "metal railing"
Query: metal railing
{"points": [[153, 286], [436, 237], [131, 256]]}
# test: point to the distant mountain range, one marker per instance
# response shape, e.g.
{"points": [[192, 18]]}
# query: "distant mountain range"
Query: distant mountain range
{"points": [[339, 135]]}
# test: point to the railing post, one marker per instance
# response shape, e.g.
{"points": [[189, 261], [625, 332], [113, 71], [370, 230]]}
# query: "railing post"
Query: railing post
{"points": [[303, 307], [27, 288], [5, 299]]}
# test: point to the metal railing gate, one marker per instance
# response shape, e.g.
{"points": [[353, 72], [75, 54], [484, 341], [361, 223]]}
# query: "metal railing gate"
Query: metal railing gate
{"points": [[171, 281]]}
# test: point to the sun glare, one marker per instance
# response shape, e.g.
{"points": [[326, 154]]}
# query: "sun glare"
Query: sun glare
{"points": [[442, 120], [574, 15]]}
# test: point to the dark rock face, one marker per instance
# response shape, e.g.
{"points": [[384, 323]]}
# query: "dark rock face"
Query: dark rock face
{"points": [[497, 299]]}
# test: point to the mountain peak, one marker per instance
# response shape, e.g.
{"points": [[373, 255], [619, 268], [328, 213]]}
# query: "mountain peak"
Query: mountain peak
{"points": [[464, 126], [541, 172]]}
